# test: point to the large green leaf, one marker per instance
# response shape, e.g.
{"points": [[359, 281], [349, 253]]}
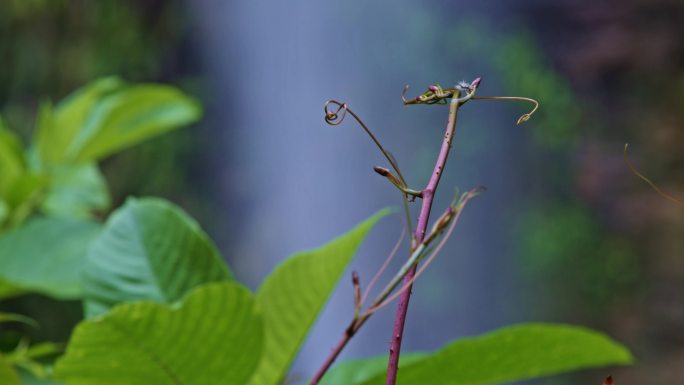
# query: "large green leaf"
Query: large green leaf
{"points": [[77, 191], [213, 337], [8, 376], [149, 249], [512, 354], [58, 128], [130, 116], [107, 116], [357, 371], [46, 255], [293, 295]]}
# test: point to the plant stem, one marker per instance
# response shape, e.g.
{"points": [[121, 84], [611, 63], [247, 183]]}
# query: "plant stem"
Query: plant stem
{"points": [[416, 249], [346, 337], [428, 196]]}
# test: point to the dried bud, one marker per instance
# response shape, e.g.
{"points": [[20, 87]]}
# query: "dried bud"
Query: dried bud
{"points": [[443, 221], [388, 174], [381, 170], [355, 278], [608, 381], [357, 291]]}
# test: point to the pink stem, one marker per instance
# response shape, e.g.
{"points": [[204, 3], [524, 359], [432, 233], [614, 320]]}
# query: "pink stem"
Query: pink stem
{"points": [[346, 337], [428, 196]]}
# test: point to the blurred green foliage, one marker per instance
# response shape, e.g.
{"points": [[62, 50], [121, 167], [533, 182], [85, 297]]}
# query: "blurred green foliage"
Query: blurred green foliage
{"points": [[51, 47], [562, 243], [564, 247], [52, 190], [57, 173]]}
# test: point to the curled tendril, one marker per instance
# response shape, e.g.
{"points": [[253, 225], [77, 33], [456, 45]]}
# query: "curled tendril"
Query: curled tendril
{"points": [[334, 118], [655, 187], [523, 118]]}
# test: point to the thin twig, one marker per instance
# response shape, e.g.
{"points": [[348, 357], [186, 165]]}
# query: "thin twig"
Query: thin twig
{"points": [[382, 269], [645, 179], [430, 258], [334, 119]]}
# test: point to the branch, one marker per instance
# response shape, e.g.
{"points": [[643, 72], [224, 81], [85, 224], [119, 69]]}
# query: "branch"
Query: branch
{"points": [[428, 196]]}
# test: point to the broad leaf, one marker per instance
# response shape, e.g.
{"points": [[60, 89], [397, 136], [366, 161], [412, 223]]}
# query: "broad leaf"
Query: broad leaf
{"points": [[58, 129], [8, 376], [46, 255], [107, 116], [149, 249], [213, 337], [293, 295], [513, 353], [129, 116], [357, 371], [76, 191]]}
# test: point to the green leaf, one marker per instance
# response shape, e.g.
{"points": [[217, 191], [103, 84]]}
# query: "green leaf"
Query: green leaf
{"points": [[71, 116], [76, 191], [357, 371], [514, 353], [149, 249], [12, 163], [213, 337], [24, 357], [24, 195], [107, 116], [44, 349], [8, 376], [4, 211], [8, 290], [130, 116], [12, 317], [48, 147], [46, 255], [293, 295]]}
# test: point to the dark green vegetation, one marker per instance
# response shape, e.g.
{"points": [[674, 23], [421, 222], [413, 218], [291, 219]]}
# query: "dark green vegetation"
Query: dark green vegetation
{"points": [[161, 306]]}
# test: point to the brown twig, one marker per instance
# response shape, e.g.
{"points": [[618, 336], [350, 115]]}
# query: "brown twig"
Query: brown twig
{"points": [[648, 181]]}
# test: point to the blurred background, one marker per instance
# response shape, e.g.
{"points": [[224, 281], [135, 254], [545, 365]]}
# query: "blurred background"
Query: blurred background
{"points": [[564, 233]]}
